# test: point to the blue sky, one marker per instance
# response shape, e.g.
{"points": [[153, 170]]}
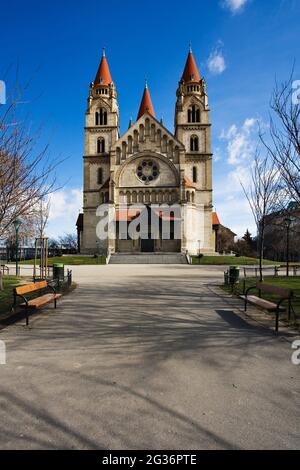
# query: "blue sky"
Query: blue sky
{"points": [[240, 47]]}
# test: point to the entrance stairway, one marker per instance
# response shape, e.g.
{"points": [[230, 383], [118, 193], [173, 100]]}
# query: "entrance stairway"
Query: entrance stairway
{"points": [[148, 258]]}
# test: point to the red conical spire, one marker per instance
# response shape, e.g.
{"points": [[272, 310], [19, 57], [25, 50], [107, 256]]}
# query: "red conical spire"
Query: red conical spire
{"points": [[146, 104], [190, 73], [103, 76]]}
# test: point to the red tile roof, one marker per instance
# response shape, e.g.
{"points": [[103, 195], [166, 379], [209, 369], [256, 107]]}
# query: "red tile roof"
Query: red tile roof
{"points": [[188, 183], [190, 73], [103, 76], [215, 219], [146, 104]]}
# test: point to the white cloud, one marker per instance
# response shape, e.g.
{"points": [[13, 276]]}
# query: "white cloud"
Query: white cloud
{"points": [[234, 212], [230, 201], [235, 6], [217, 155], [216, 62], [241, 142], [65, 206]]}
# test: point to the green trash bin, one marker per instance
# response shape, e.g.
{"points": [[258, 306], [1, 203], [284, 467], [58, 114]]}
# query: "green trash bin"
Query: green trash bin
{"points": [[234, 274], [59, 271]]}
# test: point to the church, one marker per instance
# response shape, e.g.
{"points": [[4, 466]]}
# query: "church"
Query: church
{"points": [[149, 165]]}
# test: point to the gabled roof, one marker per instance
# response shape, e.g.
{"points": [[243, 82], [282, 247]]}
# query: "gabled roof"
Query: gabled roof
{"points": [[158, 124], [215, 219]]}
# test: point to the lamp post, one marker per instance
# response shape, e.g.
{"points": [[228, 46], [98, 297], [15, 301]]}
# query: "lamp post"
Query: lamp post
{"points": [[288, 222], [17, 224], [199, 251]]}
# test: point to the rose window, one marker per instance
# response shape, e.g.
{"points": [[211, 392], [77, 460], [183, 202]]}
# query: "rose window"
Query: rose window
{"points": [[147, 171]]}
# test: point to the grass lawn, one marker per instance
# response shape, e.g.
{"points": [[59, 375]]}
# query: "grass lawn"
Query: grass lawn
{"points": [[230, 260], [286, 282], [71, 260], [6, 296]]}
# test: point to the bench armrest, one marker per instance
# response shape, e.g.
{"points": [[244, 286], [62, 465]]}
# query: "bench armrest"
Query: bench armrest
{"points": [[249, 289], [282, 300], [22, 297], [52, 288]]}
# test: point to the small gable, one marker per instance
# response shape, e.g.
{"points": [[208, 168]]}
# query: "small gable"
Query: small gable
{"points": [[147, 134]]}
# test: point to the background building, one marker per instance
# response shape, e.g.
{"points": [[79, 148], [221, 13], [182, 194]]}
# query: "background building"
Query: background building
{"points": [[279, 226]]}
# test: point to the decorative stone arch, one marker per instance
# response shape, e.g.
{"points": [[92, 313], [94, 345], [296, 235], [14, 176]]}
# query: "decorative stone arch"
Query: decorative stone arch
{"points": [[141, 196], [147, 154], [153, 132], [194, 143], [141, 133], [135, 138], [164, 146], [101, 116], [128, 197], [129, 145], [124, 150], [100, 145], [147, 127]]}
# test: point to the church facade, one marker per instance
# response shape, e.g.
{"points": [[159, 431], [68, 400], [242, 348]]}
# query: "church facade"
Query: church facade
{"points": [[149, 165]]}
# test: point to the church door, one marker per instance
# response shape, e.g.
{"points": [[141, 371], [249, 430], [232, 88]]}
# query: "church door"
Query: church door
{"points": [[147, 245]]}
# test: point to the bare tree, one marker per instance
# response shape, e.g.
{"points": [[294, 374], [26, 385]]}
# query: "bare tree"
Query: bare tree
{"points": [[41, 217], [283, 139], [69, 242], [27, 175], [263, 196]]}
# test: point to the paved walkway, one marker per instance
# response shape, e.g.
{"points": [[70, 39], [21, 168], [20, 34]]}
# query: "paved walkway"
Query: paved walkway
{"points": [[147, 357]]}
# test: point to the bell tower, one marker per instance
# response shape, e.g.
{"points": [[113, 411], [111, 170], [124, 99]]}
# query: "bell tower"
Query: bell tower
{"points": [[102, 116], [192, 113], [101, 132], [192, 129]]}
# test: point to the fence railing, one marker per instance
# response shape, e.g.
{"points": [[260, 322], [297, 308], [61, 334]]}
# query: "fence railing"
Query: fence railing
{"points": [[253, 271]]}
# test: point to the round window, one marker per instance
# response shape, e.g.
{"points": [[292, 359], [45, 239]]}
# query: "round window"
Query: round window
{"points": [[147, 171]]}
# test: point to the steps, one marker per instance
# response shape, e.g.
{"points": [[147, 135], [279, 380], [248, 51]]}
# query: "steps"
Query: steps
{"points": [[148, 258]]}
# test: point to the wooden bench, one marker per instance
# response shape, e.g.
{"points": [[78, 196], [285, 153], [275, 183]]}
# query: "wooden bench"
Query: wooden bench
{"points": [[41, 298], [283, 294]]}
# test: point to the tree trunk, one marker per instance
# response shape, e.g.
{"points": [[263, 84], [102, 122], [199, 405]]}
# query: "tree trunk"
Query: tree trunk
{"points": [[1, 281], [261, 253]]}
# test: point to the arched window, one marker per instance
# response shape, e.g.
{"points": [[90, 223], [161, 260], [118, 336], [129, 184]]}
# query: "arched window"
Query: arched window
{"points": [[194, 174], [193, 114], [101, 117], [100, 145], [100, 176], [194, 143]]}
